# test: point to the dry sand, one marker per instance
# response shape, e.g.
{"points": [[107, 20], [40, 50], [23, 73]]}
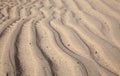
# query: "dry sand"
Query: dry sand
{"points": [[59, 37]]}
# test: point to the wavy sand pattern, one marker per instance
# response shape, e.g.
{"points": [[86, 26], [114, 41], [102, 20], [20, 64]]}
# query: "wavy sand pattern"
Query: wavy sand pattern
{"points": [[59, 37]]}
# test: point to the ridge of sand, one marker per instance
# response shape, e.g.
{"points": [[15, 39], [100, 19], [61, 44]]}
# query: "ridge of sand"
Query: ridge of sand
{"points": [[59, 38]]}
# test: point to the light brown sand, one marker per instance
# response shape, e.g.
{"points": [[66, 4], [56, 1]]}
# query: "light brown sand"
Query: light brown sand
{"points": [[59, 37]]}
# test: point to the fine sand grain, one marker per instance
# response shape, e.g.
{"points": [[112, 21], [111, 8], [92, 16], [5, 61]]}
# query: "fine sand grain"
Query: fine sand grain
{"points": [[59, 37]]}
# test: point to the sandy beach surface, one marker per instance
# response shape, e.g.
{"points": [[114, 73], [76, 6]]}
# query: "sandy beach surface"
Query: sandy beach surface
{"points": [[59, 37]]}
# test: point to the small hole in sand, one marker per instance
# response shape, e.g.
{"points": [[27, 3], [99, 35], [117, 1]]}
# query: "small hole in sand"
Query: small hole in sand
{"points": [[95, 52], [80, 18], [68, 44], [105, 23], [78, 62]]}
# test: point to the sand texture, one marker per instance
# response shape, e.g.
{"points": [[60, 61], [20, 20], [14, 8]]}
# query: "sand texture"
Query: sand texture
{"points": [[59, 37]]}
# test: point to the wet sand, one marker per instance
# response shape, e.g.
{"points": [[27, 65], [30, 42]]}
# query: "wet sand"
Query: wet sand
{"points": [[59, 37]]}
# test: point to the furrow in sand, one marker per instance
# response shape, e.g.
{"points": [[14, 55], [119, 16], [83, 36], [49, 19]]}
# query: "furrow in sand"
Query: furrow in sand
{"points": [[59, 38], [107, 28], [105, 48], [7, 50], [111, 5], [4, 14], [14, 16], [49, 47], [106, 10], [112, 29], [70, 39], [33, 63], [82, 60]]}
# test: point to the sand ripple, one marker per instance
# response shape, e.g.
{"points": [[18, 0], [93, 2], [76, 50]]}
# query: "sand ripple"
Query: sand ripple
{"points": [[59, 38]]}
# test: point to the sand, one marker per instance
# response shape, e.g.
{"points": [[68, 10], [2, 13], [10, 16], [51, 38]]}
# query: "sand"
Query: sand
{"points": [[59, 37]]}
